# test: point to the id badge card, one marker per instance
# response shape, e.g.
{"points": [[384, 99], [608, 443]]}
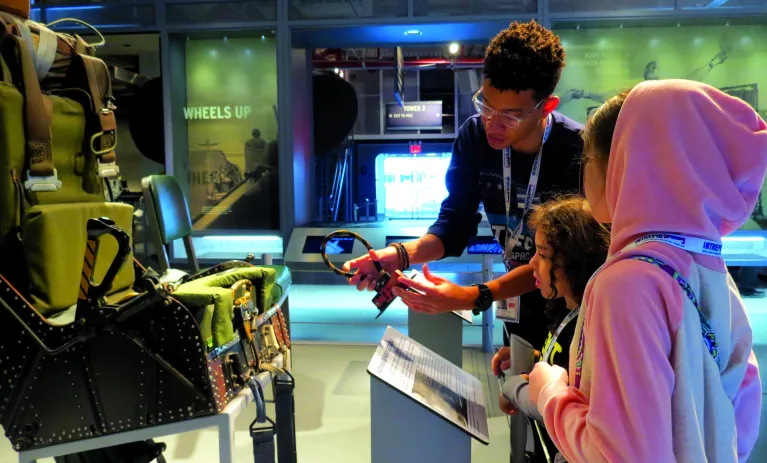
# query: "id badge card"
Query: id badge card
{"points": [[508, 310]]}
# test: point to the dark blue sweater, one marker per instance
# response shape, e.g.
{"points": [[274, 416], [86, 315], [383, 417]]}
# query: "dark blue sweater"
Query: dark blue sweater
{"points": [[475, 176]]}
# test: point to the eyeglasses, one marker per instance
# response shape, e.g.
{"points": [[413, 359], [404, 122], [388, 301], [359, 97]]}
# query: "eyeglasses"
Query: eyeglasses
{"points": [[506, 119]]}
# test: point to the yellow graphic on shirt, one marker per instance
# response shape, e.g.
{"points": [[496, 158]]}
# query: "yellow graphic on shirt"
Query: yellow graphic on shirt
{"points": [[556, 350]]}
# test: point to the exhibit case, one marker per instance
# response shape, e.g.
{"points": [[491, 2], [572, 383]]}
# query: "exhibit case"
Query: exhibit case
{"points": [[225, 133]]}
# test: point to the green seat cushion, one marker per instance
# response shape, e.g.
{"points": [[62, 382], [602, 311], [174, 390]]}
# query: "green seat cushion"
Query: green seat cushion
{"points": [[214, 290], [283, 280], [54, 239]]}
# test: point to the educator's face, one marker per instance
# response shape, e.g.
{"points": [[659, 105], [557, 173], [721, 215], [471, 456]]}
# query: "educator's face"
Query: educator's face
{"points": [[508, 116]]}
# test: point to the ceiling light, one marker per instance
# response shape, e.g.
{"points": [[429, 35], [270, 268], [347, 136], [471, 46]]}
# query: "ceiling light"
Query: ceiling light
{"points": [[413, 32], [453, 48]]}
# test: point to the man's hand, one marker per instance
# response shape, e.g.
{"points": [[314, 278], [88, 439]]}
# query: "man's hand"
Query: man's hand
{"points": [[389, 260], [437, 295]]}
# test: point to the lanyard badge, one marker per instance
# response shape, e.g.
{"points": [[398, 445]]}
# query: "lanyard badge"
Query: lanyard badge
{"points": [[385, 284]]}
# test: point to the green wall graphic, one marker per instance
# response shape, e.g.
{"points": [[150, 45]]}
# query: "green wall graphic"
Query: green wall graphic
{"points": [[232, 128], [603, 62]]}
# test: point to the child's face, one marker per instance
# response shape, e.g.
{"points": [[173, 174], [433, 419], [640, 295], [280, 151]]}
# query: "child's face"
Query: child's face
{"points": [[542, 263], [594, 176]]}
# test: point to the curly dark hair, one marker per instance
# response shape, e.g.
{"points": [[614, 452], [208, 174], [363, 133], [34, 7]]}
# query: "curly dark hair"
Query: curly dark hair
{"points": [[579, 243], [525, 56]]}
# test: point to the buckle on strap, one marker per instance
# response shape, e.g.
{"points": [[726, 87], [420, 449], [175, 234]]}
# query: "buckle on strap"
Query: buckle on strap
{"points": [[109, 136], [107, 169], [51, 183]]}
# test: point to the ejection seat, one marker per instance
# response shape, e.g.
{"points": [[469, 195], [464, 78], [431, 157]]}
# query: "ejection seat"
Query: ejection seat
{"points": [[88, 349], [169, 219]]}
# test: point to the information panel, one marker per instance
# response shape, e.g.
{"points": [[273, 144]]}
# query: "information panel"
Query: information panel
{"points": [[432, 381], [414, 115]]}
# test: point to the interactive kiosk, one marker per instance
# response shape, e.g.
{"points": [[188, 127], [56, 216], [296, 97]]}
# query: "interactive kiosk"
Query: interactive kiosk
{"points": [[423, 408]]}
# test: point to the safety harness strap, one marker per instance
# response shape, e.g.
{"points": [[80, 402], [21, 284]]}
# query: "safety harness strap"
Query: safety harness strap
{"points": [[41, 175]]}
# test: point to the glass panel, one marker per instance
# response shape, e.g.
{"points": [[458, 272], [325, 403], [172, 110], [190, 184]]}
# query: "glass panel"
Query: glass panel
{"points": [[721, 3], [439, 85], [410, 89], [411, 187], [462, 7], [221, 12], [231, 122], [324, 9], [367, 84], [578, 6], [102, 17], [602, 62]]}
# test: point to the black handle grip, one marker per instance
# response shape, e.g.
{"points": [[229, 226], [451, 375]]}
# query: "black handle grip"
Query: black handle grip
{"points": [[345, 234], [96, 228]]}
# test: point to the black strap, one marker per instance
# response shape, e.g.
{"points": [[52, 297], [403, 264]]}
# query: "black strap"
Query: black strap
{"points": [[284, 405], [258, 399], [263, 442]]}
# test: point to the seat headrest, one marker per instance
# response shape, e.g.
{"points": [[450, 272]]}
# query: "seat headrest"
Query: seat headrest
{"points": [[170, 206]]}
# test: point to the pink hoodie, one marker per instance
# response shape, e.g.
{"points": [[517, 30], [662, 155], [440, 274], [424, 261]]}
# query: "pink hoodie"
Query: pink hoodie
{"points": [[686, 158]]}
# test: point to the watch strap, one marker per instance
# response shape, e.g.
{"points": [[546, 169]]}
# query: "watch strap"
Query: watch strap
{"points": [[484, 300]]}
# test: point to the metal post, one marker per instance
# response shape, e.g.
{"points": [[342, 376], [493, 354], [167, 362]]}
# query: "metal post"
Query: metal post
{"points": [[367, 210], [488, 315]]}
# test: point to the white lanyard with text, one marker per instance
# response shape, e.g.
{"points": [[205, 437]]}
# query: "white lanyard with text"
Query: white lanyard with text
{"points": [[688, 243], [508, 310], [531, 187], [570, 317]]}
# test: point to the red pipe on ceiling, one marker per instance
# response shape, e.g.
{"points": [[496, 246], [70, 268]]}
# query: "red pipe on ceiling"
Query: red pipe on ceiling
{"points": [[323, 64]]}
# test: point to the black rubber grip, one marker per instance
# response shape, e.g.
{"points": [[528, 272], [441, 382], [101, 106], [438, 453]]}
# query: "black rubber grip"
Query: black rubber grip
{"points": [[345, 234]]}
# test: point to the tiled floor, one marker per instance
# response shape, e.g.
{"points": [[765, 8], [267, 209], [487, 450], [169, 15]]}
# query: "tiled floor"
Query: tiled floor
{"points": [[332, 386]]}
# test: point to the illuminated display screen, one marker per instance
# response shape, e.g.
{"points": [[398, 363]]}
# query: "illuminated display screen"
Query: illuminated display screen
{"points": [[411, 187], [415, 115], [341, 245], [400, 239], [484, 245]]}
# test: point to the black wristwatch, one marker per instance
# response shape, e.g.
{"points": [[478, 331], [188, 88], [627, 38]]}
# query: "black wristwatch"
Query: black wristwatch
{"points": [[484, 301]]}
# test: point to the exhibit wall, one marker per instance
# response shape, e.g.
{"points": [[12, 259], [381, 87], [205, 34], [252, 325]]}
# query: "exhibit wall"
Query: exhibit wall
{"points": [[603, 62], [231, 116]]}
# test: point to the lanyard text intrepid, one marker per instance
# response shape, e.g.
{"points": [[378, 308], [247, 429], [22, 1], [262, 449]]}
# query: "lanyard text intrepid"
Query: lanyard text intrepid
{"points": [[511, 238]]}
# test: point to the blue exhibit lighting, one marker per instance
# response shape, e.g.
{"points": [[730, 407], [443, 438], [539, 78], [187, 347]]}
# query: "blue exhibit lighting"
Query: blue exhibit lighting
{"points": [[100, 26], [75, 8], [413, 32]]}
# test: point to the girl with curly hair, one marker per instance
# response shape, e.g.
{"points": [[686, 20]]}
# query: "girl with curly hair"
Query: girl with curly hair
{"points": [[570, 247]]}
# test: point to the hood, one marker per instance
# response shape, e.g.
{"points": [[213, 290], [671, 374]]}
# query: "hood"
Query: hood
{"points": [[685, 158]]}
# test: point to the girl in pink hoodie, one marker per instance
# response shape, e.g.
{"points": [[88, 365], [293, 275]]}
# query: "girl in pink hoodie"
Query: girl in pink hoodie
{"points": [[661, 365]]}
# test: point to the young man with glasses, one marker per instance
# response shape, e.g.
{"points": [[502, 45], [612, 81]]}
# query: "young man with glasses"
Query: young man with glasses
{"points": [[514, 153]]}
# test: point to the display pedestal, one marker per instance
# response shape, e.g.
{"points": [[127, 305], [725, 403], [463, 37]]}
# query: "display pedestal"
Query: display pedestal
{"points": [[407, 432], [422, 407], [440, 333]]}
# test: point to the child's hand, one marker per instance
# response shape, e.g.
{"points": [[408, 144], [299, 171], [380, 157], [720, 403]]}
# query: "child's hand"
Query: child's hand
{"points": [[543, 374], [501, 361], [506, 406]]}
